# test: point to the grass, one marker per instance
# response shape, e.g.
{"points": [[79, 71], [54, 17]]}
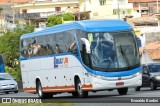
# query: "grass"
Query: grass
{"points": [[37, 104]]}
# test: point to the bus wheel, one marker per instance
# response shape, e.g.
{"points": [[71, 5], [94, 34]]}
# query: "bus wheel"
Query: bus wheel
{"points": [[74, 94], [122, 91], [137, 88], [80, 92], [41, 94]]}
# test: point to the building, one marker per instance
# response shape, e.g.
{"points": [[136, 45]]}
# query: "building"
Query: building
{"points": [[14, 1], [146, 7], [37, 12], [104, 9]]}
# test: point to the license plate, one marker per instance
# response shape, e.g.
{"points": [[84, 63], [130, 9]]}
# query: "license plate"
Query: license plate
{"points": [[119, 83]]}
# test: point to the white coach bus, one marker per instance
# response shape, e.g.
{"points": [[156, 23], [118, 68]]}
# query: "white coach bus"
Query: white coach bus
{"points": [[78, 57]]}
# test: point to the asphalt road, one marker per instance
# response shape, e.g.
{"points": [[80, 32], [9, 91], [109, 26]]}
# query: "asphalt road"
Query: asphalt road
{"points": [[102, 98]]}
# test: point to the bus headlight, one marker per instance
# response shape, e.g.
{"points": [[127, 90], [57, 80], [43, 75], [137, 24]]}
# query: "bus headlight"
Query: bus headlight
{"points": [[137, 74], [157, 77]]}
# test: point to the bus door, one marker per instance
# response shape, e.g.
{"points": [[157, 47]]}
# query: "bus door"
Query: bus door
{"points": [[2, 70]]}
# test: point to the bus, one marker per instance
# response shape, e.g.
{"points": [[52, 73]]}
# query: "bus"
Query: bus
{"points": [[2, 70], [80, 57]]}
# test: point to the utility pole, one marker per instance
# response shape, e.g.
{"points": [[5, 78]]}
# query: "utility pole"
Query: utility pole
{"points": [[157, 7], [13, 15], [139, 7], [118, 11]]}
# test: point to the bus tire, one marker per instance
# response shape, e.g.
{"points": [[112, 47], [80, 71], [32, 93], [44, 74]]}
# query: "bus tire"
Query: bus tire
{"points": [[41, 94], [7, 92], [122, 91], [80, 92], [137, 88], [74, 94]]}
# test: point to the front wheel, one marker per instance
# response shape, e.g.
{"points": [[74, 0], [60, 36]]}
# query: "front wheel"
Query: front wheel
{"points": [[7, 92], [79, 90], [74, 94], [137, 88], [41, 94], [122, 91]]}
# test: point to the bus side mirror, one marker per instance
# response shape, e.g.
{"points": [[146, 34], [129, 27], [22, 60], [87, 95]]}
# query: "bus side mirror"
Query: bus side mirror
{"points": [[139, 42], [87, 44]]}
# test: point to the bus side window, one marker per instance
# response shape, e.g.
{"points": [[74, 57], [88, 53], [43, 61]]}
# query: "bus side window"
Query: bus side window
{"points": [[57, 51], [24, 47], [40, 46], [49, 49], [51, 43], [41, 51]]}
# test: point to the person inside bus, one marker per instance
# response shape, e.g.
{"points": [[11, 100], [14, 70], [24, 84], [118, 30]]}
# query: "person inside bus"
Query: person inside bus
{"points": [[30, 50], [57, 51], [49, 49], [24, 53], [72, 47]]}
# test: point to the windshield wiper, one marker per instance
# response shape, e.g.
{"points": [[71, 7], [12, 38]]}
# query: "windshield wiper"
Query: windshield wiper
{"points": [[124, 56]]}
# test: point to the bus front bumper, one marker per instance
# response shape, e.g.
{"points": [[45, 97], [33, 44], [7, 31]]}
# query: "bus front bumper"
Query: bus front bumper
{"points": [[100, 83]]}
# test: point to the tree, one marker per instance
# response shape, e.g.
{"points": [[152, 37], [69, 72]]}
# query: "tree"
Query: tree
{"points": [[9, 47], [54, 20], [1, 9], [9, 43]]}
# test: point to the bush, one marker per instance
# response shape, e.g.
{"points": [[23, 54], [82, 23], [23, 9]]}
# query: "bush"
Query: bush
{"points": [[14, 72]]}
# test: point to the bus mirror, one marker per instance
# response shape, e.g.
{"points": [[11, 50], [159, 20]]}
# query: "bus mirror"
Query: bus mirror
{"points": [[87, 44]]}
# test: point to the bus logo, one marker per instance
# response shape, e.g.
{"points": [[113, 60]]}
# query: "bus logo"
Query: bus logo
{"points": [[60, 62]]}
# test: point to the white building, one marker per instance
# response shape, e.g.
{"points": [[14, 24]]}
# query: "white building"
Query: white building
{"points": [[37, 12], [104, 9]]}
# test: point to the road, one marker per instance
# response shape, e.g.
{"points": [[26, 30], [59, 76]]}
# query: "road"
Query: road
{"points": [[104, 98]]}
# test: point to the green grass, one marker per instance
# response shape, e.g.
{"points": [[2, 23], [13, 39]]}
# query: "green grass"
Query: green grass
{"points": [[38, 104]]}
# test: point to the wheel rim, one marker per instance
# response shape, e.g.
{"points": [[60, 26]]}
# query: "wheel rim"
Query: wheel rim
{"points": [[80, 88], [40, 90]]}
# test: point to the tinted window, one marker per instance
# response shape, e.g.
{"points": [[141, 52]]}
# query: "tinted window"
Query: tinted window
{"points": [[51, 42], [154, 67], [24, 47], [39, 47], [80, 34], [69, 39], [47, 45]]}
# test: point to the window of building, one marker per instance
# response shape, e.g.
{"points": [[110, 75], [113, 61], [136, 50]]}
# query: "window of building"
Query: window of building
{"points": [[102, 2], [58, 9], [24, 11]]}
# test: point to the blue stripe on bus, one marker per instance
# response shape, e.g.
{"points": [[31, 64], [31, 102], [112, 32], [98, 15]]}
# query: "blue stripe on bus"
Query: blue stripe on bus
{"points": [[94, 72], [46, 56], [114, 74]]}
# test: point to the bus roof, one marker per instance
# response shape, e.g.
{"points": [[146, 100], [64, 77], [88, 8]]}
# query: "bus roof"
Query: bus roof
{"points": [[86, 25]]}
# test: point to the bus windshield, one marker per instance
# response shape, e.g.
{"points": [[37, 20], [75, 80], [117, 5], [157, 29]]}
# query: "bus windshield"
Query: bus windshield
{"points": [[113, 50]]}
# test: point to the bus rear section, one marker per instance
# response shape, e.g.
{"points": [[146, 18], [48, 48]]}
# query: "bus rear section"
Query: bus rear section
{"points": [[105, 57], [2, 70]]}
